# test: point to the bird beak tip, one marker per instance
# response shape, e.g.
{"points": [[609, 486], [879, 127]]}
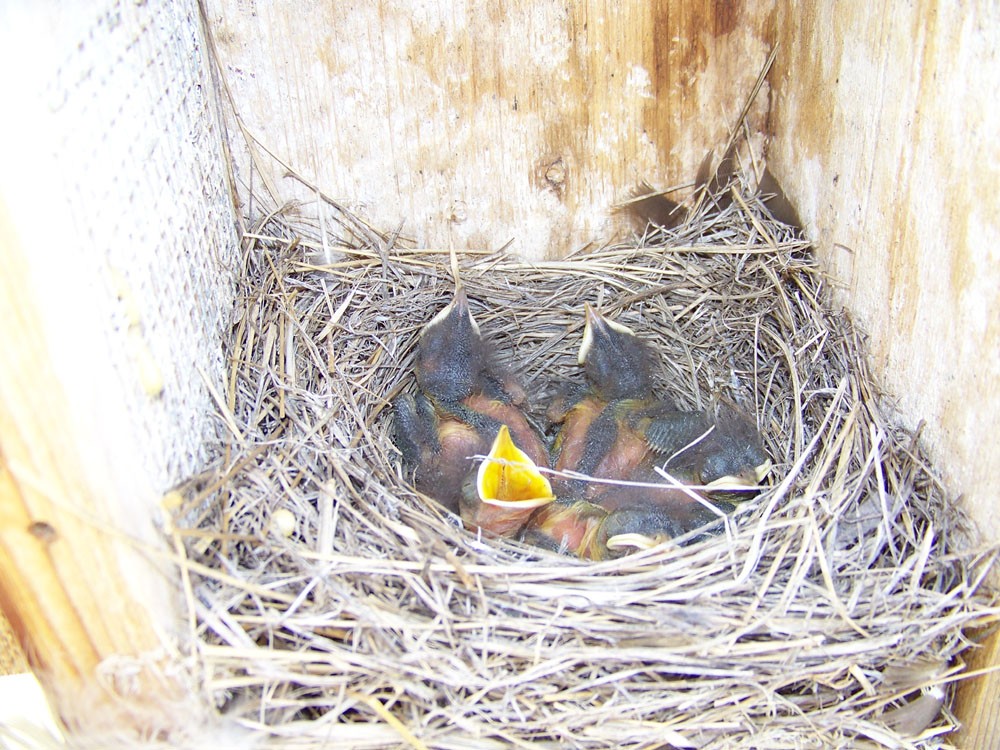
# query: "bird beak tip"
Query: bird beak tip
{"points": [[456, 309], [592, 320], [633, 540], [762, 471], [746, 480]]}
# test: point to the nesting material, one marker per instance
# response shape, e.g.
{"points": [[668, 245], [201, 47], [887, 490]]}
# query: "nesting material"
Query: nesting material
{"points": [[830, 613]]}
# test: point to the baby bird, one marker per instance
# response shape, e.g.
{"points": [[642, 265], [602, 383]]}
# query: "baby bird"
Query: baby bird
{"points": [[722, 457], [574, 527], [617, 430], [595, 532], [463, 400], [598, 435]]}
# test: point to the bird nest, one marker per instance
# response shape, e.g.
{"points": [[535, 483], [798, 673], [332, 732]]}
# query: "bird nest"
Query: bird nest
{"points": [[331, 603]]}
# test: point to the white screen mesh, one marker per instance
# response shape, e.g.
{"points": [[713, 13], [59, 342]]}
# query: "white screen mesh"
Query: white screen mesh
{"points": [[123, 212]]}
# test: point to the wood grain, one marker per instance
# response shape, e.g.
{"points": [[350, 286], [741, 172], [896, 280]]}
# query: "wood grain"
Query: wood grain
{"points": [[481, 123], [976, 699], [889, 142], [12, 659], [76, 587]]}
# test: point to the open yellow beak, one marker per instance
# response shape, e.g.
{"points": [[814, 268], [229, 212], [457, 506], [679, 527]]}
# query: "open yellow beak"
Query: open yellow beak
{"points": [[508, 478]]}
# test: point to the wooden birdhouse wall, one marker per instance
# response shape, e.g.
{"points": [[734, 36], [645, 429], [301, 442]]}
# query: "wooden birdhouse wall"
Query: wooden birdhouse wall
{"points": [[117, 233], [886, 131], [478, 124], [469, 125]]}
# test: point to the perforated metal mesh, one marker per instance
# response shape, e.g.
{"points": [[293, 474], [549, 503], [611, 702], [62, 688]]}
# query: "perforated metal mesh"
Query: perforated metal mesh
{"points": [[129, 149]]}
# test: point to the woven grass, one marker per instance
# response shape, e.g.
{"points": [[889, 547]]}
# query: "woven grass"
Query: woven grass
{"points": [[829, 614]]}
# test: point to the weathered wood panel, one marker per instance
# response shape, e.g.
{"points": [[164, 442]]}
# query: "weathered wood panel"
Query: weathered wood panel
{"points": [[886, 133], [112, 206], [75, 586], [479, 123]]}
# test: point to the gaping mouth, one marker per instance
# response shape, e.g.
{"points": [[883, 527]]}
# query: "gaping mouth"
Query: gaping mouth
{"points": [[508, 478]]}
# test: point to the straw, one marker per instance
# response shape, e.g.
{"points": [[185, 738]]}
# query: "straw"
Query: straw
{"points": [[838, 599]]}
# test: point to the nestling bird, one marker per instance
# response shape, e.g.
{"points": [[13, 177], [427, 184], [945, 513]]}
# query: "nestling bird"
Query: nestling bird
{"points": [[436, 446], [645, 526], [597, 436], [617, 366], [674, 510], [617, 427], [722, 457], [618, 430], [571, 526], [463, 399], [594, 532]]}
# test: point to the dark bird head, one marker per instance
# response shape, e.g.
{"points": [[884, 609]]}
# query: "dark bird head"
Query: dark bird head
{"points": [[638, 528], [729, 455], [616, 362], [642, 528], [451, 357]]}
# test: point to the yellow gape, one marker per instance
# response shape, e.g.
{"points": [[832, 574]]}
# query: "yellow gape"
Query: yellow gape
{"points": [[508, 478]]}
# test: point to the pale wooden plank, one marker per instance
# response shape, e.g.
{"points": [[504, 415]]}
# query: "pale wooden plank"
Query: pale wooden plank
{"points": [[977, 699], [480, 123], [12, 660], [888, 141], [77, 586]]}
